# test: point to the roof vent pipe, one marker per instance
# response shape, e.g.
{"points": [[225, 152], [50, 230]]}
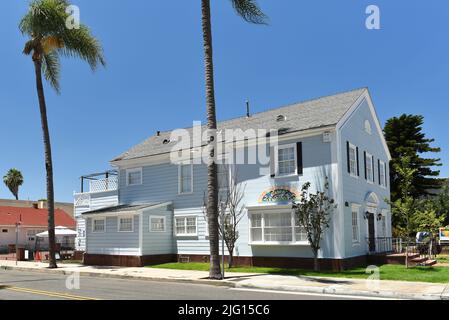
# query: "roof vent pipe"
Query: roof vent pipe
{"points": [[247, 109], [158, 133]]}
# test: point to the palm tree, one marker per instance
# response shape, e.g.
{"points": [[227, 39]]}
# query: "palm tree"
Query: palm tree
{"points": [[13, 179], [50, 38], [250, 12]]}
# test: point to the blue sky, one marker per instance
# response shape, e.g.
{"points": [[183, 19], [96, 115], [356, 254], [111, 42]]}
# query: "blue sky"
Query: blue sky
{"points": [[154, 77]]}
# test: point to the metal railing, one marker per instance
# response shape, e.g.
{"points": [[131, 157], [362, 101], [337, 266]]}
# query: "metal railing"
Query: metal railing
{"points": [[380, 245]]}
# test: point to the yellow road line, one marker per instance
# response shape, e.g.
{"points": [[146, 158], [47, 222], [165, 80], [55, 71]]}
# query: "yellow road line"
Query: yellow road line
{"points": [[49, 293]]}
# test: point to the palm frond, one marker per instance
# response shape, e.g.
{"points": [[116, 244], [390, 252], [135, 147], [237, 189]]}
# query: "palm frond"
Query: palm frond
{"points": [[51, 68], [29, 47], [44, 17], [80, 43], [249, 10]]}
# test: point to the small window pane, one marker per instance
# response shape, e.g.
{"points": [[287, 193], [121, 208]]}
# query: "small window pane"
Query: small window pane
{"points": [[185, 178], [352, 160], [256, 234], [134, 177], [126, 224], [180, 226], [191, 225], [286, 161], [256, 220], [369, 168], [98, 225], [355, 225], [278, 227], [157, 224]]}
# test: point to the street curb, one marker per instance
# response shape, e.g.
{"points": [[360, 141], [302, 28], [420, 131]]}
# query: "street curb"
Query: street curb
{"points": [[345, 292], [225, 283], [232, 284]]}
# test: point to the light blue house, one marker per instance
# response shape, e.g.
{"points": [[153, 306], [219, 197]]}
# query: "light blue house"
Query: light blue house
{"points": [[155, 211]]}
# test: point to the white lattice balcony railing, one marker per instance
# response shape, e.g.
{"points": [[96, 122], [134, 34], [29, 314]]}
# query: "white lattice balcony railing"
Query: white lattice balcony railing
{"points": [[82, 200], [100, 185]]}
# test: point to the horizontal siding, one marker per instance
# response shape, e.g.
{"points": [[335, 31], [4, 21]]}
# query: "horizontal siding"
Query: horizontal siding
{"points": [[160, 184], [97, 201], [111, 241], [154, 243], [355, 190]]}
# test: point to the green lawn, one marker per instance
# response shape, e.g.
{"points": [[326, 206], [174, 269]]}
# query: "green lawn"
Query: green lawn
{"points": [[443, 258], [387, 272]]}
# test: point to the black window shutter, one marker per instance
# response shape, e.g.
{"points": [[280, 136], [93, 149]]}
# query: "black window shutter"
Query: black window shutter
{"points": [[378, 170], [299, 163], [347, 156], [372, 162], [272, 163], [364, 161], [358, 167]]}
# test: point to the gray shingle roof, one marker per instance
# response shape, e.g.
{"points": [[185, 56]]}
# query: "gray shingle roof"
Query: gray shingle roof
{"points": [[123, 208], [316, 113]]}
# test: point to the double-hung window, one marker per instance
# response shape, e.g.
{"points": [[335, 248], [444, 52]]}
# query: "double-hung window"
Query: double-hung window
{"points": [[352, 160], [98, 225], [125, 224], [133, 176], [286, 160], [382, 176], [157, 224], [186, 226], [369, 167], [185, 178], [275, 228], [355, 223]]}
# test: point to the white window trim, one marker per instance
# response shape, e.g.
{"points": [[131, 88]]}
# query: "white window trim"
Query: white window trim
{"points": [[382, 168], [164, 223], [125, 217], [353, 147], [179, 178], [276, 162], [369, 156], [185, 226], [128, 171], [356, 207], [93, 225], [273, 243]]}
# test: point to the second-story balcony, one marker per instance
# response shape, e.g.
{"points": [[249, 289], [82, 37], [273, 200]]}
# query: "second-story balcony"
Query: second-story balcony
{"points": [[95, 183]]}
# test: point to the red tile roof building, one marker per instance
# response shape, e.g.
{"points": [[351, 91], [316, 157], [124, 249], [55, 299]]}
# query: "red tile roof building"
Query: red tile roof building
{"points": [[9, 216]]}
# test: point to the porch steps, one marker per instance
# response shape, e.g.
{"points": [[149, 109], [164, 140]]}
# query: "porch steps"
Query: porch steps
{"points": [[427, 263], [418, 260]]}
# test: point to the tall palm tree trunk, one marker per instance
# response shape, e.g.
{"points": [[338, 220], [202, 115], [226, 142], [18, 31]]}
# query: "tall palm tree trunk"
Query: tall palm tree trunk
{"points": [[48, 162], [212, 191]]}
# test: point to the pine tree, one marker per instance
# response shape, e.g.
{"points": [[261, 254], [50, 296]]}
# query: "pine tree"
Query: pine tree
{"points": [[405, 138]]}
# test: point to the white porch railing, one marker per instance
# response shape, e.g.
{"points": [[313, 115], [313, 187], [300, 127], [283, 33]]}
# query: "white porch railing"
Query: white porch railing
{"points": [[107, 184], [82, 200]]}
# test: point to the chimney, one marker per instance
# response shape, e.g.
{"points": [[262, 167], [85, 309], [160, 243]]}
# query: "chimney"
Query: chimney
{"points": [[42, 204], [247, 109]]}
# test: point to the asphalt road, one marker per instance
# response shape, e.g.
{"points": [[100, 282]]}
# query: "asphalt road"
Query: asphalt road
{"points": [[19, 285]]}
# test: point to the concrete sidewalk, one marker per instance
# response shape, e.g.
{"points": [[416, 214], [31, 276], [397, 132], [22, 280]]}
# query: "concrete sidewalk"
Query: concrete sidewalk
{"points": [[306, 284]]}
